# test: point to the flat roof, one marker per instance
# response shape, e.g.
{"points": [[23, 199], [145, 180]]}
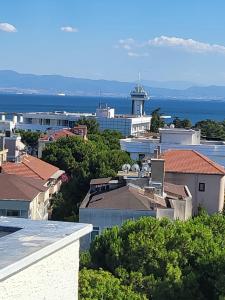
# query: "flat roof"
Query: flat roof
{"points": [[33, 241]]}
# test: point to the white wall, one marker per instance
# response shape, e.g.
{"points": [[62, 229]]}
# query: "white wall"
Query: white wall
{"points": [[179, 136], [212, 199], [107, 218], [54, 277]]}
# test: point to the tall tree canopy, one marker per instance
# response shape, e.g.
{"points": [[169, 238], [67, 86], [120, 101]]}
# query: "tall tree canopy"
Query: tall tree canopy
{"points": [[179, 123], [156, 121], [99, 284], [165, 259], [100, 156], [212, 129], [91, 123]]}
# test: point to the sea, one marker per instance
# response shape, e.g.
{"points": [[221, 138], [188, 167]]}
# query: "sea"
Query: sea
{"points": [[192, 109]]}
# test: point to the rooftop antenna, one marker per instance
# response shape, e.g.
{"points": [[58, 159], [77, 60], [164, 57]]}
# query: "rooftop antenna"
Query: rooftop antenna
{"points": [[139, 78]]}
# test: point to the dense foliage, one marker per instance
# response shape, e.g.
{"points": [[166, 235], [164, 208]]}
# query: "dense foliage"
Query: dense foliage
{"points": [[162, 259], [211, 129], [156, 121], [29, 138], [100, 156], [96, 285], [179, 123], [92, 124]]}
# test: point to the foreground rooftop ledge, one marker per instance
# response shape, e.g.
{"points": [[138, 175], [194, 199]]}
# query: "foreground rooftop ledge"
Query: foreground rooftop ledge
{"points": [[24, 242]]}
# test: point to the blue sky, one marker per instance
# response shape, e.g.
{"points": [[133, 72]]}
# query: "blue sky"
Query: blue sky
{"points": [[162, 39]]}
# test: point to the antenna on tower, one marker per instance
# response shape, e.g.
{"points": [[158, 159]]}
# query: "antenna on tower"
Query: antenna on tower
{"points": [[139, 77]]}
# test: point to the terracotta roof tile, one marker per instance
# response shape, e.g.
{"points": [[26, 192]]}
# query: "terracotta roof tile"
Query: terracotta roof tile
{"points": [[30, 166], [175, 190], [13, 187], [57, 135], [190, 161]]}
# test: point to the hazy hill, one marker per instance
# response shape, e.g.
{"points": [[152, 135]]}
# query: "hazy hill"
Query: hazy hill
{"points": [[13, 82]]}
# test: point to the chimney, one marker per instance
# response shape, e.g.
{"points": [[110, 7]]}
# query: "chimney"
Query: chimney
{"points": [[158, 171]]}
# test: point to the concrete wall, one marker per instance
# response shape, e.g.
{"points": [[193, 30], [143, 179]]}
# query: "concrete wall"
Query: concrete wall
{"points": [[107, 218], [179, 136], [54, 277], [39, 206], [212, 199], [15, 205], [137, 146]]}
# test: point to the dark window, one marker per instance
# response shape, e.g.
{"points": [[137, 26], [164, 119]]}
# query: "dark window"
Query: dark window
{"points": [[201, 187], [95, 232], [13, 213], [2, 212]]}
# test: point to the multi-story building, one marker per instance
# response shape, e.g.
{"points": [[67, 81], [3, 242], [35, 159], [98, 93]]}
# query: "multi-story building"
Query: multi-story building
{"points": [[110, 202], [204, 178], [39, 259], [24, 197], [33, 167], [132, 124], [174, 138]]}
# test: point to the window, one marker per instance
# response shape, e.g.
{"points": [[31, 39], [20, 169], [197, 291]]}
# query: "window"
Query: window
{"points": [[13, 213], [201, 187], [47, 121], [95, 232], [2, 212]]}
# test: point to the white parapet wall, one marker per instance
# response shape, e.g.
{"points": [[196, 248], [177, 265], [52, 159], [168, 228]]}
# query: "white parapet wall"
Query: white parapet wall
{"points": [[40, 260]]}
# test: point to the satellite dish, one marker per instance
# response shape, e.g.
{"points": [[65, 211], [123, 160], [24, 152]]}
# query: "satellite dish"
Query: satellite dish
{"points": [[135, 168], [126, 167]]}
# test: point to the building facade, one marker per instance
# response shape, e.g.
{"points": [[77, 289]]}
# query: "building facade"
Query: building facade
{"points": [[204, 178], [39, 259], [174, 138]]}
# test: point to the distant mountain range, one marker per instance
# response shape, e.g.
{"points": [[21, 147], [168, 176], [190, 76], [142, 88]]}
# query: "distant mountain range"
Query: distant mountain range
{"points": [[13, 82]]}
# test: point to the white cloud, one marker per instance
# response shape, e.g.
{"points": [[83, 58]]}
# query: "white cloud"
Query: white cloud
{"points": [[135, 54], [126, 44], [69, 29], [132, 47], [186, 44], [7, 27]]}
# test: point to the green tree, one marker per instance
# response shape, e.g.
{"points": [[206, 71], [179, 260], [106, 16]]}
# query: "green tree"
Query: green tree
{"points": [[211, 129], [29, 138], [91, 123], [166, 259], [99, 284], [156, 121], [185, 123], [82, 161]]}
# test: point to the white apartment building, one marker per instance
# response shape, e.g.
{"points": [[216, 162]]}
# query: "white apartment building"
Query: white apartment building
{"points": [[174, 138], [39, 259], [126, 124]]}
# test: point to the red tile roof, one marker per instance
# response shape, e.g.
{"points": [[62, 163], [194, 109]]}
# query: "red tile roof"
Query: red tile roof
{"points": [[13, 187], [190, 161], [30, 166], [57, 135]]}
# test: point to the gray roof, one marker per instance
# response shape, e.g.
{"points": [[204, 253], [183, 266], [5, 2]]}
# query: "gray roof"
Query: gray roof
{"points": [[100, 180], [126, 197]]}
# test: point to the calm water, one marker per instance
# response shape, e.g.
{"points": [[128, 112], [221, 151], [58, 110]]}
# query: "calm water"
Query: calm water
{"points": [[194, 110]]}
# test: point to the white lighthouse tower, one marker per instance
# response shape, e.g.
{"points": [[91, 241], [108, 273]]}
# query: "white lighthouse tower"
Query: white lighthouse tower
{"points": [[138, 97]]}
